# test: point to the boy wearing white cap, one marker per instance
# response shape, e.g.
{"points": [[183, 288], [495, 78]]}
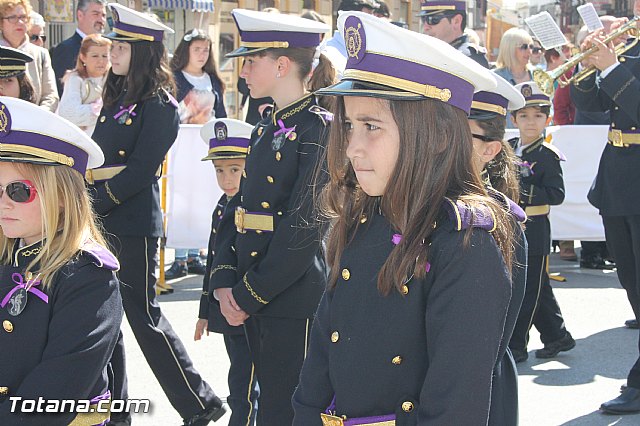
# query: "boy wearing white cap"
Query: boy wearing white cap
{"points": [[407, 329], [60, 305], [136, 127], [228, 142], [277, 272], [542, 186]]}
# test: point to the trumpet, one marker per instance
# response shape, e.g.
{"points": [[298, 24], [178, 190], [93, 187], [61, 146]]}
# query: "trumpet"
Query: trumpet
{"points": [[545, 80]]}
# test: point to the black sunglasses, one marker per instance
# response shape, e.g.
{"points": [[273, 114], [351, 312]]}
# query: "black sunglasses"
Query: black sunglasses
{"points": [[527, 47], [20, 191], [483, 138], [34, 37], [433, 19]]}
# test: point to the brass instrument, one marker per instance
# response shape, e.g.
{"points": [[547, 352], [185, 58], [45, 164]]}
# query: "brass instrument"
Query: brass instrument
{"points": [[545, 80]]}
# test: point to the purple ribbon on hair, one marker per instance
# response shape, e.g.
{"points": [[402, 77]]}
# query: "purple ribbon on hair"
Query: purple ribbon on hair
{"points": [[284, 130], [128, 109], [19, 280]]}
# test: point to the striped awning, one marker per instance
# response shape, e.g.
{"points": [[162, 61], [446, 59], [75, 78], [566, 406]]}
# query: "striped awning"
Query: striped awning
{"points": [[195, 5]]}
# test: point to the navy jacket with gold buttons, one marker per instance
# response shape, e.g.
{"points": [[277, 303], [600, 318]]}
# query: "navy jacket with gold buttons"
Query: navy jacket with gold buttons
{"points": [[59, 349], [223, 231], [614, 191], [280, 273], [427, 356], [541, 186], [129, 202]]}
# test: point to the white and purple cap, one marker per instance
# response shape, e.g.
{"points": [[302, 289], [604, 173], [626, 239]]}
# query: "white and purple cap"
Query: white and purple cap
{"points": [[387, 61], [499, 101], [131, 26], [227, 138], [30, 134], [533, 96], [263, 30], [432, 7]]}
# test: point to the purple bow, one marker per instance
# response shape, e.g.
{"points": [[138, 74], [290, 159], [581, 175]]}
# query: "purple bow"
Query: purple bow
{"points": [[527, 165], [128, 109], [19, 280], [284, 130]]}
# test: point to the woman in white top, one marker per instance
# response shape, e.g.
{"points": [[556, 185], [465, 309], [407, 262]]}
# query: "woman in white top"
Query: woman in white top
{"points": [[82, 97], [14, 24]]}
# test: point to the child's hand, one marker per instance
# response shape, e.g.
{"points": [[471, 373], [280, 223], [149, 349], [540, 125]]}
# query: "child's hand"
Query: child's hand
{"points": [[201, 328], [229, 308]]}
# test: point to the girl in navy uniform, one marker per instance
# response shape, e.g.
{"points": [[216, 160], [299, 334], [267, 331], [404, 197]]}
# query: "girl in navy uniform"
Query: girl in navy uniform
{"points": [[497, 161], [228, 141], [411, 325], [60, 305], [541, 186], [272, 277], [137, 126]]}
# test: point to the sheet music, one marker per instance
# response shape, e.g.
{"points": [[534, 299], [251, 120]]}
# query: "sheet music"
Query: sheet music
{"points": [[590, 17], [546, 30]]}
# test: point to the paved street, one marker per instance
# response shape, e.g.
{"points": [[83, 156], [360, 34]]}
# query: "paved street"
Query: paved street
{"points": [[564, 391]]}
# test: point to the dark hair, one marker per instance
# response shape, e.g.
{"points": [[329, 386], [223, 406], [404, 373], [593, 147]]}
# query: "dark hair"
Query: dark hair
{"points": [[545, 109], [549, 54], [148, 75], [323, 75], [84, 4], [463, 23], [357, 5], [436, 157], [181, 55], [502, 169], [27, 92], [382, 9]]}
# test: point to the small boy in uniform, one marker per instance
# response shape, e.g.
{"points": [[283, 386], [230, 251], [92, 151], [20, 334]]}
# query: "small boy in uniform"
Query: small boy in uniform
{"points": [[541, 186], [228, 141]]}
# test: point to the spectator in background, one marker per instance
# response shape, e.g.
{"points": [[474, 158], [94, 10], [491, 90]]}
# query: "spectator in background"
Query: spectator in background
{"points": [[382, 11], [13, 78], [564, 110], [15, 23], [82, 100], [92, 17], [514, 54], [537, 58], [36, 32]]}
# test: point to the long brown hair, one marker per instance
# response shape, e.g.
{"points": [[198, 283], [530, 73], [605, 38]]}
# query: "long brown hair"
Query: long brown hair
{"points": [[436, 161], [180, 57], [148, 74]]}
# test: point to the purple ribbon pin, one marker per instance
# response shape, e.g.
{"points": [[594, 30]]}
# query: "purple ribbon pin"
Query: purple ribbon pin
{"points": [[19, 280], [284, 130], [128, 110], [527, 165]]}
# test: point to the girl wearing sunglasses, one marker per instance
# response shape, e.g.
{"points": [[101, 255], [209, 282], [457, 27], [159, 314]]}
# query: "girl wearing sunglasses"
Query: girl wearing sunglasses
{"points": [[136, 127], [514, 55], [60, 305]]}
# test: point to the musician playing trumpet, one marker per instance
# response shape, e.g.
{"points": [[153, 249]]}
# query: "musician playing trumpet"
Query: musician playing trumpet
{"points": [[615, 87]]}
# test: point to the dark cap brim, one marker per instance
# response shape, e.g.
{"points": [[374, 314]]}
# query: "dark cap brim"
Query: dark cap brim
{"points": [[119, 37], [223, 156], [244, 51], [478, 114], [362, 88]]}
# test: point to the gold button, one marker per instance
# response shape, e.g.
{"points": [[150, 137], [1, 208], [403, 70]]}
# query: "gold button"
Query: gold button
{"points": [[346, 274], [270, 179], [214, 230], [405, 290], [278, 156], [397, 360], [4, 391], [622, 59], [613, 124], [258, 231], [8, 327], [213, 252], [265, 205], [219, 212], [122, 153], [279, 213], [616, 108], [259, 131], [102, 119], [335, 336], [249, 150], [407, 406], [363, 219], [244, 174], [254, 253], [293, 136], [633, 128]]}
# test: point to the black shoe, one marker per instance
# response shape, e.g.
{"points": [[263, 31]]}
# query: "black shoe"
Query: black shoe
{"points": [[177, 270], [211, 414], [519, 355], [196, 266], [632, 323], [552, 349], [628, 402], [597, 262]]}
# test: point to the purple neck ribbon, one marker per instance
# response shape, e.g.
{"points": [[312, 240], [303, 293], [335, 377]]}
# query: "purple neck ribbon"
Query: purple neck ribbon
{"points": [[128, 109], [286, 130], [396, 240], [527, 165], [19, 280]]}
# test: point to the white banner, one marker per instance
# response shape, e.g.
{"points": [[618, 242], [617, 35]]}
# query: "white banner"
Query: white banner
{"points": [[193, 191]]}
